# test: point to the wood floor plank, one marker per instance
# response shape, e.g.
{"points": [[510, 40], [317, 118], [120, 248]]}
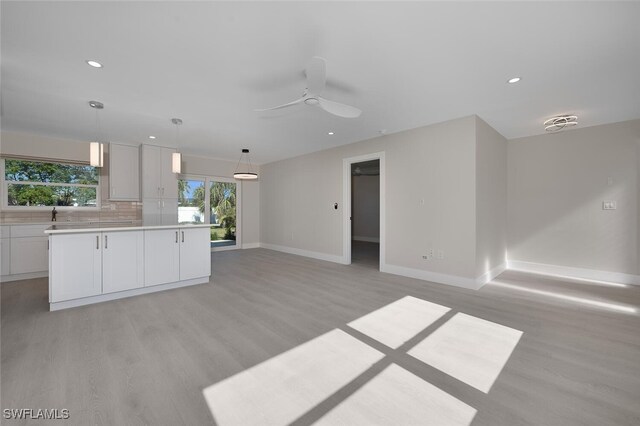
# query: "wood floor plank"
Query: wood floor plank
{"points": [[145, 360]]}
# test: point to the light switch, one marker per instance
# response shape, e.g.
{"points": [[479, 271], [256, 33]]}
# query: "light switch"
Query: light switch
{"points": [[608, 205]]}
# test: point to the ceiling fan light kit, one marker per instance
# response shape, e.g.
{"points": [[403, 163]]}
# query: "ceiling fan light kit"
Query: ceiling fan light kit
{"points": [[555, 124], [249, 174], [316, 82]]}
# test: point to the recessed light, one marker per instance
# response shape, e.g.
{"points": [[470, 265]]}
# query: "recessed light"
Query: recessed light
{"points": [[513, 80], [94, 64], [330, 133], [152, 137]]}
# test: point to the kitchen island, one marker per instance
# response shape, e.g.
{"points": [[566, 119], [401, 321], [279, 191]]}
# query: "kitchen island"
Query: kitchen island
{"points": [[95, 263]]}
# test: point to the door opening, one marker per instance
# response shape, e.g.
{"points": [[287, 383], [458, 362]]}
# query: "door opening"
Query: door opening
{"points": [[364, 193]]}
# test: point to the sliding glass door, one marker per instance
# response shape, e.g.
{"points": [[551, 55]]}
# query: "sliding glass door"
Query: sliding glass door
{"points": [[213, 200], [222, 199]]}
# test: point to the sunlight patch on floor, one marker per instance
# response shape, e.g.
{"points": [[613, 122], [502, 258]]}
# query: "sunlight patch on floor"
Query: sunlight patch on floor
{"points": [[617, 307], [279, 390], [398, 397], [397, 322], [470, 349]]}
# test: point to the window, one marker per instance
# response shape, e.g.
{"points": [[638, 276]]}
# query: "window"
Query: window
{"points": [[39, 184], [211, 200]]}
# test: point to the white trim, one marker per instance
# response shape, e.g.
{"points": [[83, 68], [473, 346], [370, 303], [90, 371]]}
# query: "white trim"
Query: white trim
{"points": [[490, 275], [573, 272], [123, 294], [250, 245], [25, 276], [305, 253], [454, 280], [366, 239], [346, 203]]}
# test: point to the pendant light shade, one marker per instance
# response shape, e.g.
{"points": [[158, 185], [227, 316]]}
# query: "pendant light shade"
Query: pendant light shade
{"points": [[96, 154], [96, 149], [176, 162], [245, 174], [176, 157]]}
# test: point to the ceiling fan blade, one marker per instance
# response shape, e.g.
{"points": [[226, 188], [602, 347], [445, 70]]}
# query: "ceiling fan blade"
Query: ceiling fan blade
{"points": [[297, 101], [316, 75], [336, 108]]}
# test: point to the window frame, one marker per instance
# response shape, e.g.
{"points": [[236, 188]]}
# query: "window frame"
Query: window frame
{"points": [[4, 187]]}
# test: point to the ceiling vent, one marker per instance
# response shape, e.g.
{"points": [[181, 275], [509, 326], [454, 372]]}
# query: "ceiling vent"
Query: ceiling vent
{"points": [[555, 124]]}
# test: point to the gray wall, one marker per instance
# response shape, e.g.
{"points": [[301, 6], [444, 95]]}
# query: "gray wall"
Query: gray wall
{"points": [[491, 199], [557, 183], [434, 163], [366, 208]]}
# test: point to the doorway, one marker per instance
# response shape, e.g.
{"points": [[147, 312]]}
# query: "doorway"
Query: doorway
{"points": [[215, 201], [364, 195]]}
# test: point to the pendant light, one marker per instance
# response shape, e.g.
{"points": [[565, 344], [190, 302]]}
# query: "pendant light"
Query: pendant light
{"points": [[245, 175], [176, 157], [96, 149]]}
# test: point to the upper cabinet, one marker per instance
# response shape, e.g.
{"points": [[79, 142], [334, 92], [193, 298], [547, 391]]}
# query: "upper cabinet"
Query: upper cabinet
{"points": [[124, 172], [158, 181]]}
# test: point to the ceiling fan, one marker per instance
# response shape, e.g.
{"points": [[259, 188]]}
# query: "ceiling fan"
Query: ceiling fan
{"points": [[316, 79]]}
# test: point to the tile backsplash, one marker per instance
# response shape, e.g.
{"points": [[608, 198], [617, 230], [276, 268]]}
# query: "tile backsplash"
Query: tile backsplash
{"points": [[109, 211]]}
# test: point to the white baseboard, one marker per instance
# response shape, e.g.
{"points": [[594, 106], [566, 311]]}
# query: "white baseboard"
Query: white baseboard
{"points": [[250, 245], [26, 276], [366, 239], [490, 275], [435, 277], [572, 272], [305, 253], [56, 306]]}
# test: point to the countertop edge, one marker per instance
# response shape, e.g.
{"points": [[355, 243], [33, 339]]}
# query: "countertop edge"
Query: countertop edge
{"points": [[121, 228]]}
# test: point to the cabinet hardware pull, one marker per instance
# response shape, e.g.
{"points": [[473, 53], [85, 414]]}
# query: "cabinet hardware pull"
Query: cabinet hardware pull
{"points": [[183, 236], [176, 237], [163, 190], [106, 242], [97, 242]]}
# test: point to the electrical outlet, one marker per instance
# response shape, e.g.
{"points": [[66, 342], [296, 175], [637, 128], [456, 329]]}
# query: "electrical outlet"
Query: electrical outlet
{"points": [[440, 254], [608, 205]]}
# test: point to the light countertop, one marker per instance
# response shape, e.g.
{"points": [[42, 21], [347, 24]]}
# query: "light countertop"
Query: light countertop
{"points": [[64, 228]]}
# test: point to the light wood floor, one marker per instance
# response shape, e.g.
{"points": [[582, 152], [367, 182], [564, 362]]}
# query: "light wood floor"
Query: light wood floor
{"points": [[146, 360]]}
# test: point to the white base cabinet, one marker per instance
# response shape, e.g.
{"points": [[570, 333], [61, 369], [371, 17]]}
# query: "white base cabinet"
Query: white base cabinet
{"points": [[23, 251], [161, 256], [122, 261], [195, 253], [75, 266], [89, 267], [176, 254]]}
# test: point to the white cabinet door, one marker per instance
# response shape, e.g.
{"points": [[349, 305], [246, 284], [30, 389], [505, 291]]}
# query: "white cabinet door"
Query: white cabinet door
{"points": [[161, 256], [151, 212], [5, 256], [124, 172], [151, 171], [122, 261], [169, 211], [195, 253], [76, 266], [29, 254], [168, 180]]}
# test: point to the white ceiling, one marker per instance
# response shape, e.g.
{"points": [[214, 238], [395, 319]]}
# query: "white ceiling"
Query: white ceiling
{"points": [[404, 64]]}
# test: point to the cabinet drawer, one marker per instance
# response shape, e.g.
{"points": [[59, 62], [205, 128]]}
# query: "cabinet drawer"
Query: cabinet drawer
{"points": [[18, 231], [29, 254]]}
